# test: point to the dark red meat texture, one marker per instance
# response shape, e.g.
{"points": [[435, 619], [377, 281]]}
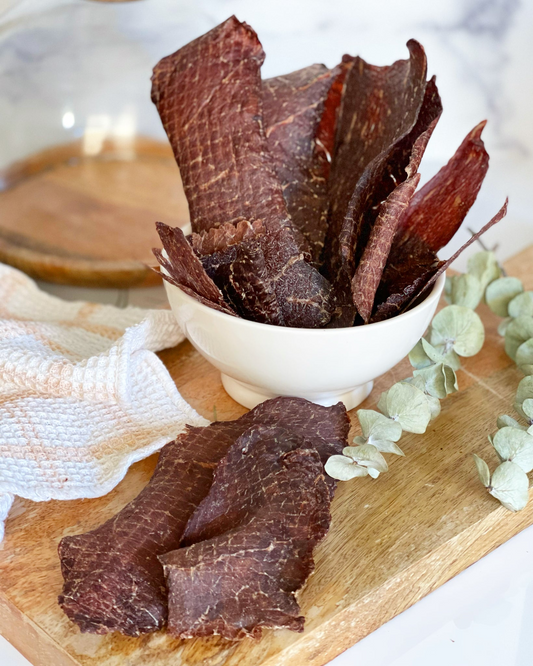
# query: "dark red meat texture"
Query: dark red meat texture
{"points": [[113, 580], [267, 279], [220, 238], [293, 106], [410, 265], [209, 97], [412, 271], [253, 540], [384, 134], [185, 270], [439, 208], [370, 269]]}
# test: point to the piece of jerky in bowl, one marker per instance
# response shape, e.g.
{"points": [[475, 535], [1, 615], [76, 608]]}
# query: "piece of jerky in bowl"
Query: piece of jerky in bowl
{"points": [[250, 543], [413, 269], [384, 111], [266, 278], [293, 109], [184, 270], [113, 580], [209, 97]]}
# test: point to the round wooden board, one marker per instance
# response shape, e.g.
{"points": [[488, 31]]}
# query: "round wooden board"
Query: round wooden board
{"points": [[89, 221]]}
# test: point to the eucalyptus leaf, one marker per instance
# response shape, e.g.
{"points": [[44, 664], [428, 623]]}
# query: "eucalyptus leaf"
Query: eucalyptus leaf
{"points": [[524, 392], [515, 445], [448, 289], [484, 266], [510, 485], [501, 292], [482, 470], [520, 330], [466, 290], [367, 455], [527, 408], [449, 358], [377, 426], [408, 405], [382, 403], [435, 380], [502, 326], [527, 369], [418, 357], [383, 445], [343, 468], [434, 403], [434, 406], [521, 305], [524, 354], [458, 328], [508, 421]]}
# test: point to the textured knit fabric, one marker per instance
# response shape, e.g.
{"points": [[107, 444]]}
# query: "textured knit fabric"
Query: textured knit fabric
{"points": [[82, 394]]}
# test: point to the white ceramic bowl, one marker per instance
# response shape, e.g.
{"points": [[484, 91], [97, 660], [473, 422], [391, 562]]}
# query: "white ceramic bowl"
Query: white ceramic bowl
{"points": [[260, 361]]}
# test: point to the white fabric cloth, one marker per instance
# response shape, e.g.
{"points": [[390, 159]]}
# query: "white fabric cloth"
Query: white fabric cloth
{"points": [[82, 394]]}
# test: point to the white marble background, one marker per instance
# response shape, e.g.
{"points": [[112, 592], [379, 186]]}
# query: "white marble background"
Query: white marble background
{"points": [[481, 51], [93, 61]]}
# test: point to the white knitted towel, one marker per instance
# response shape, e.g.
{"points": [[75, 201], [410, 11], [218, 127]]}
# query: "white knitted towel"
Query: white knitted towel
{"points": [[82, 394]]}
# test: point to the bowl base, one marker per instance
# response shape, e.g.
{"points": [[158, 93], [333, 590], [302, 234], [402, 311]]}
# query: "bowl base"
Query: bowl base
{"points": [[250, 396]]}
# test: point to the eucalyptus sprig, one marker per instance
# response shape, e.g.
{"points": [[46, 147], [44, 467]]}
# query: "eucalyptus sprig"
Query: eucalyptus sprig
{"points": [[455, 332]]}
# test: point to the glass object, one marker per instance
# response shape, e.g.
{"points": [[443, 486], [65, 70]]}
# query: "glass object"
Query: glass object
{"points": [[85, 166]]}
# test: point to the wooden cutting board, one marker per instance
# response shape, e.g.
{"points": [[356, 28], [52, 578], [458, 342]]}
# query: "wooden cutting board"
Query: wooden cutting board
{"points": [[84, 213], [391, 542]]}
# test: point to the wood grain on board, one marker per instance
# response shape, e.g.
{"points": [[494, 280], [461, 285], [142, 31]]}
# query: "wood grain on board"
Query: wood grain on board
{"points": [[391, 542], [89, 220]]}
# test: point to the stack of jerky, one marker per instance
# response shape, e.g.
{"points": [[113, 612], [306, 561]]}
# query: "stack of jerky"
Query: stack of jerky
{"points": [[302, 188]]}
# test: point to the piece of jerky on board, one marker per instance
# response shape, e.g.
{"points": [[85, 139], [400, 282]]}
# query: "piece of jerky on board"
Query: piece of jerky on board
{"points": [[412, 271], [267, 509], [231, 499], [438, 209], [293, 106], [185, 270], [113, 580], [209, 97]]}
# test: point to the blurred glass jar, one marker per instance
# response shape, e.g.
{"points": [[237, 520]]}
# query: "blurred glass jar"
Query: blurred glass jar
{"points": [[77, 119]]}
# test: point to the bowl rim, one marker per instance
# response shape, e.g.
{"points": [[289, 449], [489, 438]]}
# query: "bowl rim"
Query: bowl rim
{"points": [[434, 294]]}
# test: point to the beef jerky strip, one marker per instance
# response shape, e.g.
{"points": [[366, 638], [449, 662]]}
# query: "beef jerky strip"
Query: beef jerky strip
{"points": [[231, 500], [379, 179], [209, 97], [412, 271], [267, 509], [185, 270], [370, 269], [220, 238], [375, 255], [267, 279], [379, 105], [437, 211], [410, 265], [292, 110], [325, 136], [444, 265], [113, 580]]}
